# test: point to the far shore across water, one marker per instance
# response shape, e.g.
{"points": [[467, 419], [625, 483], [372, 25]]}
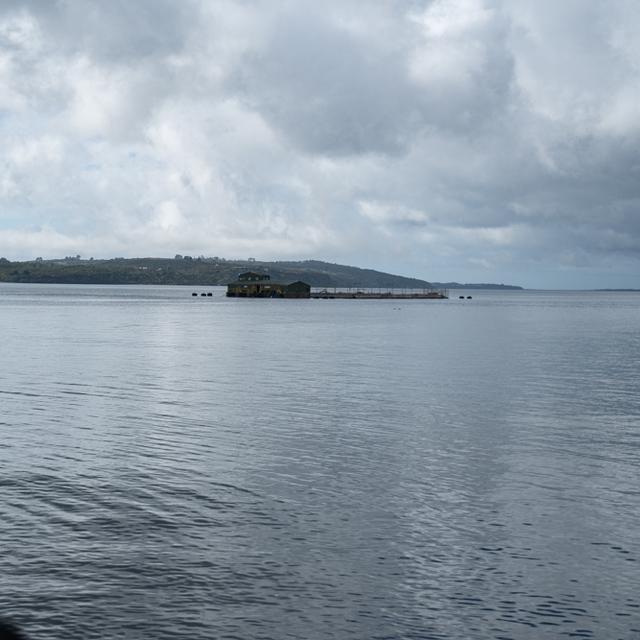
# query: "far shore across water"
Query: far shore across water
{"points": [[202, 271]]}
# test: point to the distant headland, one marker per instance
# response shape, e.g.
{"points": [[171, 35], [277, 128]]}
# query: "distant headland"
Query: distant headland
{"points": [[201, 271]]}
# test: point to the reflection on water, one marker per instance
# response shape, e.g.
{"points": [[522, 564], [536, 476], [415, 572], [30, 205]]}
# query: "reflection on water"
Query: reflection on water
{"points": [[177, 466]]}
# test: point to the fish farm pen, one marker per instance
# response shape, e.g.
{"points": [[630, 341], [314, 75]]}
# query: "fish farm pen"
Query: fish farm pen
{"points": [[252, 284], [380, 294]]}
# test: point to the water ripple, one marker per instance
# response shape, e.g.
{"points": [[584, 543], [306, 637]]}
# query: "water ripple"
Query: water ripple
{"points": [[319, 471]]}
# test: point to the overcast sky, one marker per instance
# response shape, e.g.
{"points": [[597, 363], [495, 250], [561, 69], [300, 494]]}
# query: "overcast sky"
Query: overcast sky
{"points": [[469, 140]]}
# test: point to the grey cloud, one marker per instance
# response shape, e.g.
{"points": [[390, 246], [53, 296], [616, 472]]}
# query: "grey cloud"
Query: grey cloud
{"points": [[116, 30], [328, 91], [335, 91]]}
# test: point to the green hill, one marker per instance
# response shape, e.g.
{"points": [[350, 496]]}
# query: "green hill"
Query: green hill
{"points": [[185, 270], [194, 271]]}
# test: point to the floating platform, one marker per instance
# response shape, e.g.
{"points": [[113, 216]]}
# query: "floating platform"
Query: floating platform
{"points": [[380, 295]]}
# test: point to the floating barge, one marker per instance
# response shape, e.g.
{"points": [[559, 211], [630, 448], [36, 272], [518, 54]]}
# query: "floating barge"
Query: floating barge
{"points": [[391, 294], [260, 285]]}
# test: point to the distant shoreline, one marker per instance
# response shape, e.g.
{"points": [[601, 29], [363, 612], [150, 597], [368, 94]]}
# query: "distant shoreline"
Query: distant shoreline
{"points": [[481, 285], [201, 271]]}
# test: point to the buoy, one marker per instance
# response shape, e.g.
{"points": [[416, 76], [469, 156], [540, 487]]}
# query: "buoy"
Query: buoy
{"points": [[461, 297], [194, 294], [468, 297], [203, 294], [209, 294]]}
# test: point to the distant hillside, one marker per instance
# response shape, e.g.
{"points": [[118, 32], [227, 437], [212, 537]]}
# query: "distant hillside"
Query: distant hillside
{"points": [[186, 270], [480, 285], [194, 271]]}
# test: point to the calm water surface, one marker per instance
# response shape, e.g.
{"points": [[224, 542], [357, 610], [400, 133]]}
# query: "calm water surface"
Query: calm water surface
{"points": [[178, 467]]}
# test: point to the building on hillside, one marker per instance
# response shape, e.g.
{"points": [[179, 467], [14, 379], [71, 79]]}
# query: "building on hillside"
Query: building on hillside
{"points": [[259, 285], [252, 276]]}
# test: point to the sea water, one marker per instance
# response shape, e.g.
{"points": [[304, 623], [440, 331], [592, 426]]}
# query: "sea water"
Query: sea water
{"points": [[200, 467]]}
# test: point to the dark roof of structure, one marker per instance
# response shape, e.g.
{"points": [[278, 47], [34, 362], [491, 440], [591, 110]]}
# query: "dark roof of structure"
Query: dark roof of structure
{"points": [[254, 276], [266, 283]]}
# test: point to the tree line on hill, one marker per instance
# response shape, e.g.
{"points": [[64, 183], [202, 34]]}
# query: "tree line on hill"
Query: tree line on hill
{"points": [[201, 271]]}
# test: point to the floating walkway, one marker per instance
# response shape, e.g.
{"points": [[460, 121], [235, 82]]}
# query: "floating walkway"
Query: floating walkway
{"points": [[391, 294]]}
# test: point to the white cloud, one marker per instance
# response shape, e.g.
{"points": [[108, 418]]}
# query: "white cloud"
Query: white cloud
{"points": [[383, 213], [453, 46], [39, 153]]}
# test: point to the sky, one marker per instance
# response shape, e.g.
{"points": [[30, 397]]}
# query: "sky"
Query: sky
{"points": [[468, 140]]}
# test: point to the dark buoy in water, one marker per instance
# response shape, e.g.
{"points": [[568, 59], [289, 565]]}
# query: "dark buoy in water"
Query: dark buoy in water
{"points": [[209, 294], [194, 294], [461, 297], [203, 294], [468, 297]]}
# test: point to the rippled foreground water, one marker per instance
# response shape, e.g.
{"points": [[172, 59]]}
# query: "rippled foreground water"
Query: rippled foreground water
{"points": [[178, 467]]}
